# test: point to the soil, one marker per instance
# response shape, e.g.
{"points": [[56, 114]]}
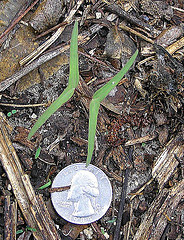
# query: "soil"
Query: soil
{"points": [[148, 103]]}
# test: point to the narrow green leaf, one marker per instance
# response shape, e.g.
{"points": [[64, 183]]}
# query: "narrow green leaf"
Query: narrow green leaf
{"points": [[95, 104], [72, 84], [93, 113], [45, 185], [101, 93], [74, 65], [37, 152], [112, 221], [64, 97]]}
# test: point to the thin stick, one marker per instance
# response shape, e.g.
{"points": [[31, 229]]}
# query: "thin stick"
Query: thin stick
{"points": [[132, 19], [130, 222], [141, 189], [140, 140], [17, 20], [124, 27], [24, 105], [96, 228], [50, 30], [59, 189], [97, 60], [178, 9]]}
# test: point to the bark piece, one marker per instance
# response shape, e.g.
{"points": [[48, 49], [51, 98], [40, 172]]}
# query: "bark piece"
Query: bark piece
{"points": [[166, 163], [163, 135], [32, 206], [119, 46], [47, 15], [72, 230], [169, 36], [175, 46], [21, 137], [157, 9]]}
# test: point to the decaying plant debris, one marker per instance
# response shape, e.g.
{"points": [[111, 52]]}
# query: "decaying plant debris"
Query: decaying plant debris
{"points": [[139, 141], [32, 206]]}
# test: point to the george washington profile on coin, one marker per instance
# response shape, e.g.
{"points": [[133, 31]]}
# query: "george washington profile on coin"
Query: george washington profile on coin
{"points": [[83, 191]]}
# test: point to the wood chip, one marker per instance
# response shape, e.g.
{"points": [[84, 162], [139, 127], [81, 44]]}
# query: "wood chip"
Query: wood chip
{"points": [[140, 140]]}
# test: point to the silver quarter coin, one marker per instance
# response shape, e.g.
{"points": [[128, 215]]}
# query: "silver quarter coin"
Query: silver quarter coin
{"points": [[88, 197]]}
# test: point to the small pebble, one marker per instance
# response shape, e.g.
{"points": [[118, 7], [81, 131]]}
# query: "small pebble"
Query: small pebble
{"points": [[98, 15], [9, 187], [88, 232], [33, 116]]}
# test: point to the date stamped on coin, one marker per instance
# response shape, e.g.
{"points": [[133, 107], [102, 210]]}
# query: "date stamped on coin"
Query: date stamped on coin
{"points": [[88, 197]]}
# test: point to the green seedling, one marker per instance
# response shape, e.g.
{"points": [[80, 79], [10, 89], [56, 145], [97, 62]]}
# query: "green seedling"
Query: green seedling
{"points": [[19, 231], [45, 185], [9, 114], [27, 229], [31, 229], [102, 230], [112, 221], [12, 112], [69, 91], [37, 152], [72, 84], [99, 95]]}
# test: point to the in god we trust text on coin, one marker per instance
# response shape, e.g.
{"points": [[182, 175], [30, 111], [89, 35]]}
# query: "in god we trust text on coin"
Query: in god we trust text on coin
{"points": [[89, 196]]}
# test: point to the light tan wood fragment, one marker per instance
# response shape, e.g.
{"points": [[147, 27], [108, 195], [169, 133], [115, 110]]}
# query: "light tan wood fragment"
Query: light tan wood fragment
{"points": [[175, 46], [140, 140]]}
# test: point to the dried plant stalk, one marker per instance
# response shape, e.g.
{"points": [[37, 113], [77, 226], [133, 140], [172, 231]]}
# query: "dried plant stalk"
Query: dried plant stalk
{"points": [[34, 211], [166, 163]]}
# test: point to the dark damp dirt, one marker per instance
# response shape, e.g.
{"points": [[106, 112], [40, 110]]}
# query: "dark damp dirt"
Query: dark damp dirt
{"points": [[148, 102]]}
